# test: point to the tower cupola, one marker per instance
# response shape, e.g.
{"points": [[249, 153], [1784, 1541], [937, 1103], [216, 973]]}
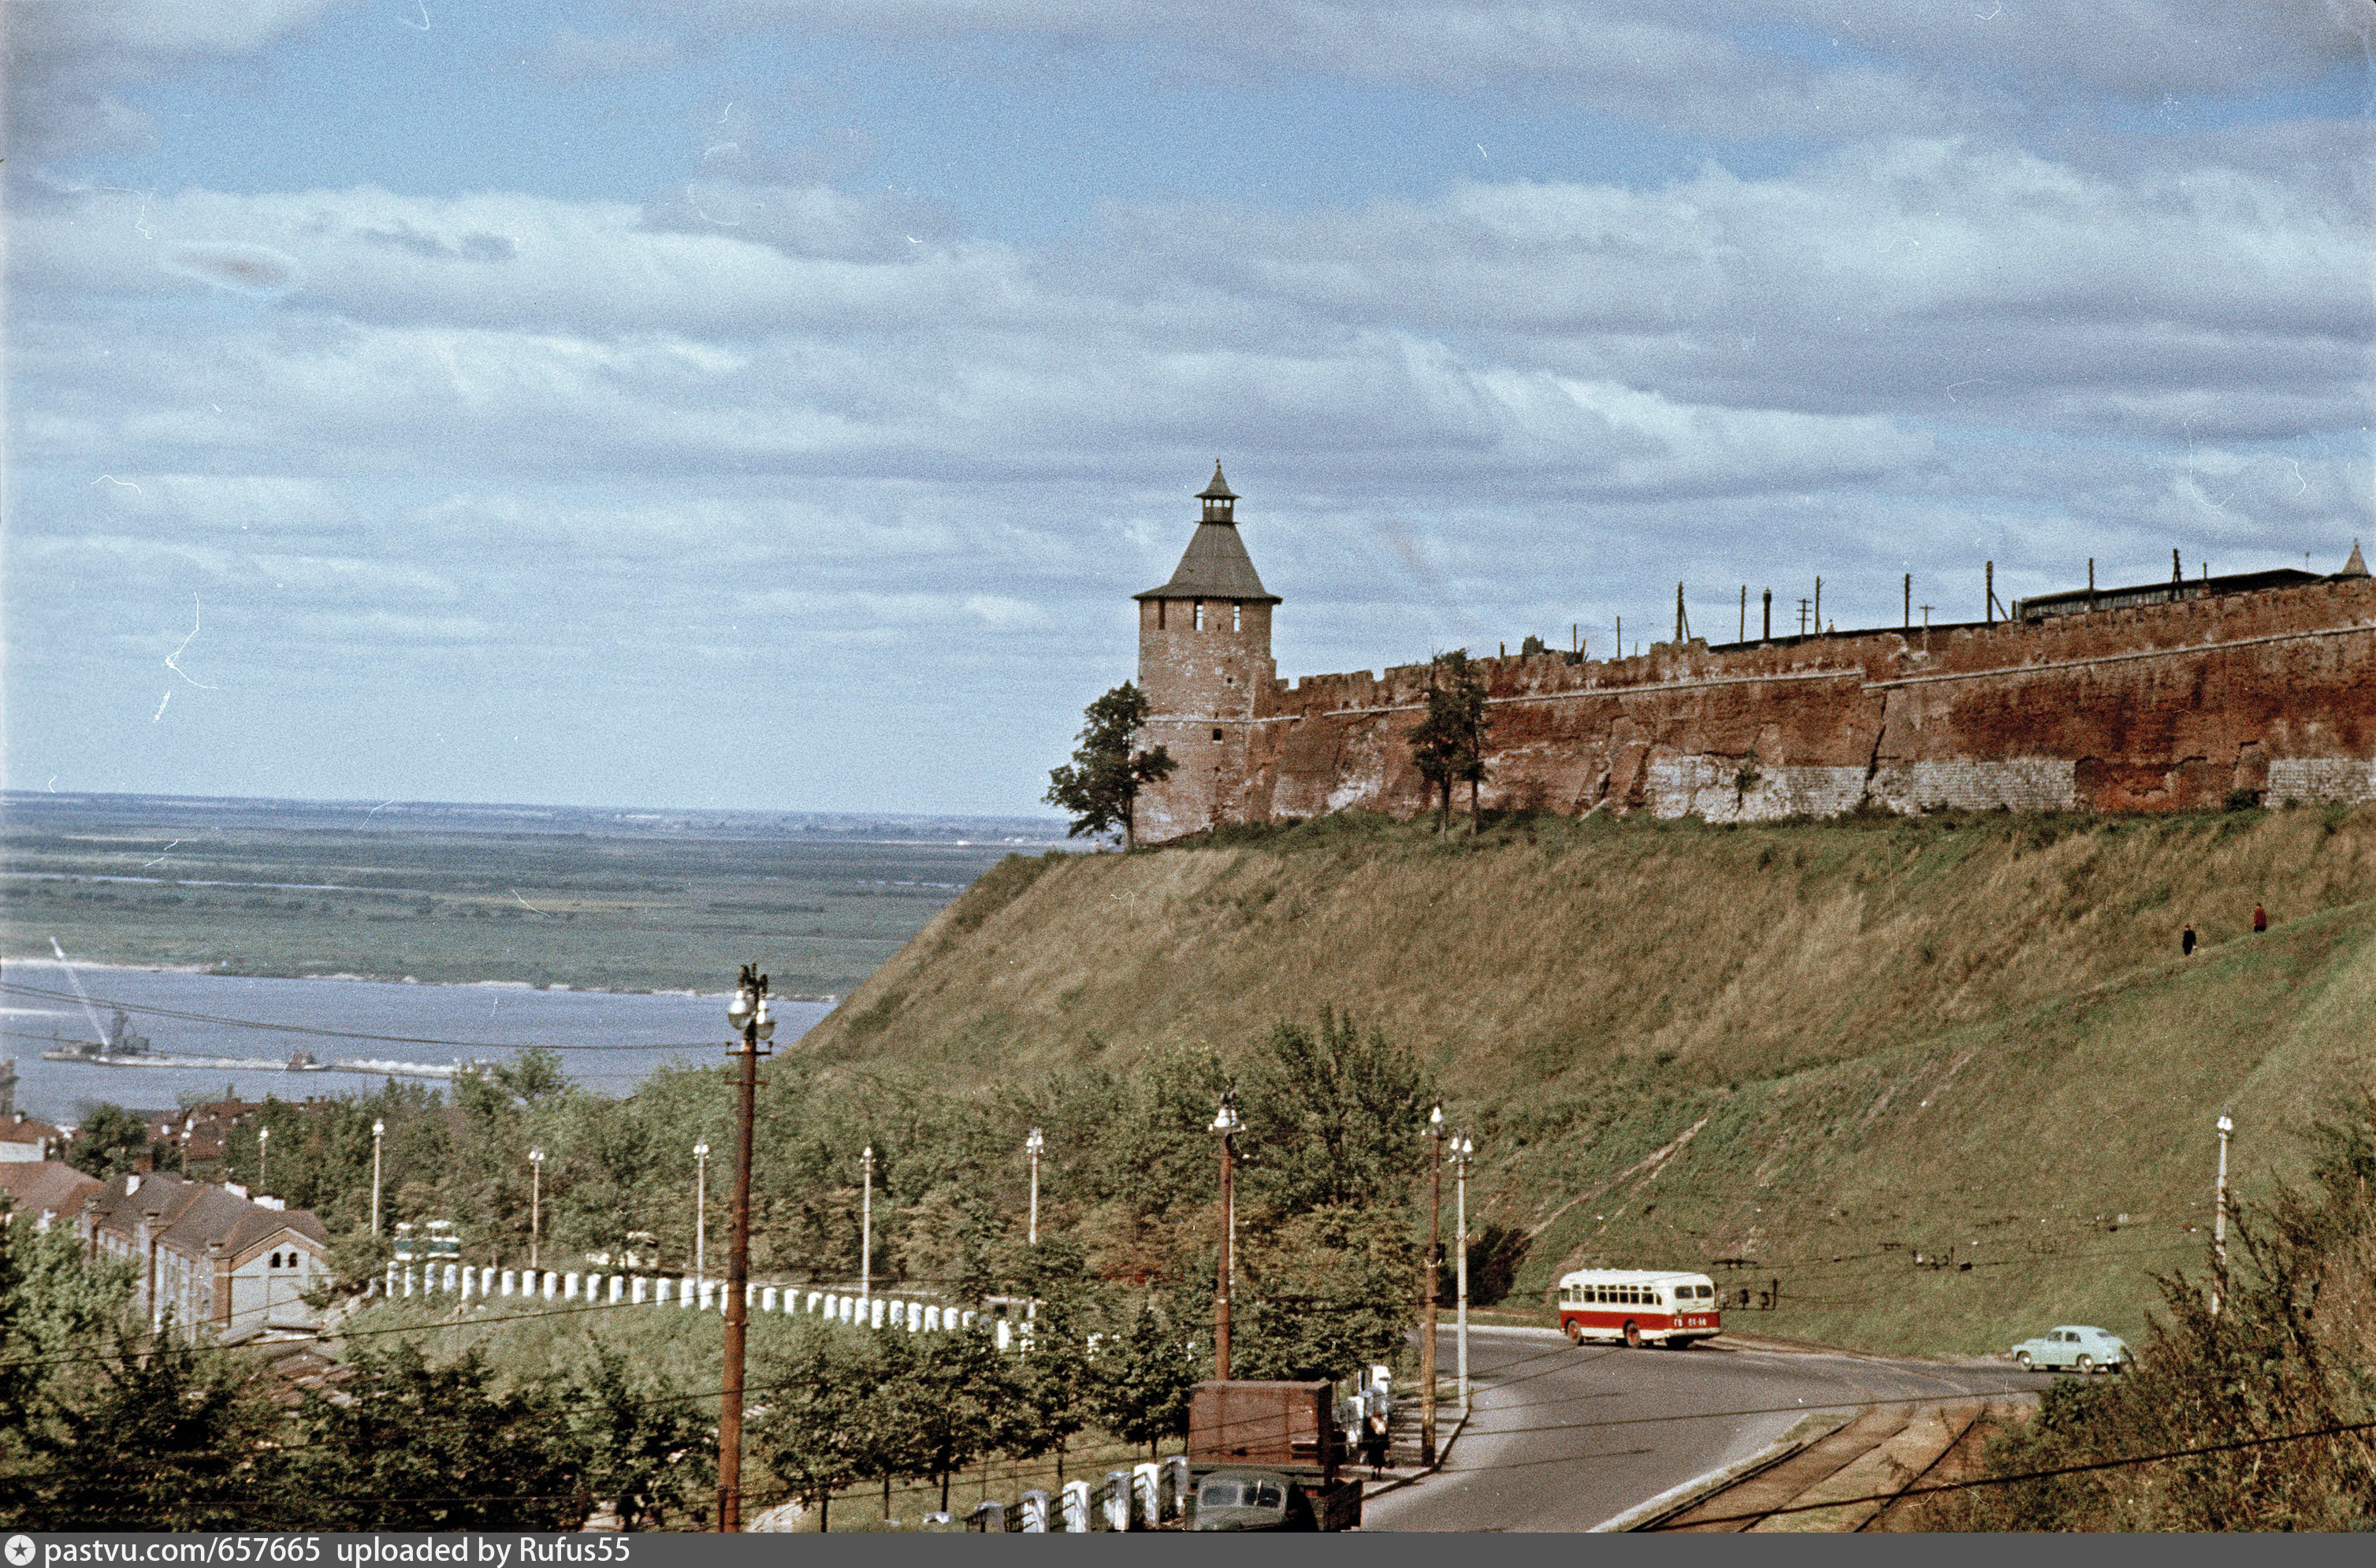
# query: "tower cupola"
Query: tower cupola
{"points": [[1220, 501]]}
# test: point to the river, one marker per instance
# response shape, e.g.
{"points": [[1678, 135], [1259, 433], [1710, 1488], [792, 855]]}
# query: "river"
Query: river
{"points": [[609, 1042]]}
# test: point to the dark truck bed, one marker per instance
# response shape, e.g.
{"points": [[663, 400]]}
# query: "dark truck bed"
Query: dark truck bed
{"points": [[1290, 1428]]}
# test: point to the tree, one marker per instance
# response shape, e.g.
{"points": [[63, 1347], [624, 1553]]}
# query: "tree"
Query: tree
{"points": [[159, 1435], [1336, 1115], [643, 1454], [1142, 1380], [1448, 745], [822, 1431], [110, 1139], [407, 1445], [944, 1393], [1100, 786]]}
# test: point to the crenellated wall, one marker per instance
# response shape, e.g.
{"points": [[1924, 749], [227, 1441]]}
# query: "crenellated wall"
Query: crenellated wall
{"points": [[2159, 707]]}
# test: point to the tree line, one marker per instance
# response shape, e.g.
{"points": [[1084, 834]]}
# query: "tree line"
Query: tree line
{"points": [[1328, 1268]]}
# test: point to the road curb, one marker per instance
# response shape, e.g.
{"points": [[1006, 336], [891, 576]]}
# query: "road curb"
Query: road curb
{"points": [[1442, 1452], [1676, 1499]]}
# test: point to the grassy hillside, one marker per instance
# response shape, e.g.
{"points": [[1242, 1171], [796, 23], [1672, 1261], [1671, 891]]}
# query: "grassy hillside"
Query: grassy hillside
{"points": [[1973, 1039]]}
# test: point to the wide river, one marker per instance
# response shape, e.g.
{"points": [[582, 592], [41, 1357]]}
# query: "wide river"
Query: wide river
{"points": [[608, 1041]]}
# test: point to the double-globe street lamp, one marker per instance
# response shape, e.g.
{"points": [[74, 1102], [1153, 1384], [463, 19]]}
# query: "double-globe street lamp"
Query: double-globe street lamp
{"points": [[379, 1131], [1434, 1270]]}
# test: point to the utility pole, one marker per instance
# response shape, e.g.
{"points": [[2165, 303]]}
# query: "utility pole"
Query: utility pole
{"points": [[748, 1013], [1033, 1145], [1768, 634], [866, 1226], [701, 1211], [379, 1131], [1802, 617], [2219, 1221], [1683, 622], [1992, 581], [1463, 1148], [1434, 1267], [1909, 593], [1819, 606], [1226, 1123], [1744, 613], [535, 1206]]}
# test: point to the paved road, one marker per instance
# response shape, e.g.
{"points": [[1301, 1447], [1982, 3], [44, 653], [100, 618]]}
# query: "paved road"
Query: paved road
{"points": [[1562, 1438]]}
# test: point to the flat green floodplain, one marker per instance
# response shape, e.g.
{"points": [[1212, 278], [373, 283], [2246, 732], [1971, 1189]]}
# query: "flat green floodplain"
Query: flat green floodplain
{"points": [[575, 899]]}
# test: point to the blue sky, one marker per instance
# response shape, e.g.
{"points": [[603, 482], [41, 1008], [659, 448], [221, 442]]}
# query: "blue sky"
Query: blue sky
{"points": [[765, 403]]}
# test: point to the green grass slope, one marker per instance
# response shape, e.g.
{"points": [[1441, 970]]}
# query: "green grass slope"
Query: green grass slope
{"points": [[1820, 1050]]}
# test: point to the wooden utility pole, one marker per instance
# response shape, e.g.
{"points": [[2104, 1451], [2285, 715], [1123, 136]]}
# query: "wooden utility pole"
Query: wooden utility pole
{"points": [[749, 1011], [1226, 1123]]}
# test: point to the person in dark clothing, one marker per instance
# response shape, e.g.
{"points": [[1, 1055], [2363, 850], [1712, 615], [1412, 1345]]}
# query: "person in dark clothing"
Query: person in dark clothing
{"points": [[2260, 918], [2186, 942]]}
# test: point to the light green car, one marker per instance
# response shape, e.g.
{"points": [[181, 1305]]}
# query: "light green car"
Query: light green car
{"points": [[2074, 1348]]}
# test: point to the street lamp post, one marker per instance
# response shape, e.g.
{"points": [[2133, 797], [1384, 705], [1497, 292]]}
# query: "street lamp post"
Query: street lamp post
{"points": [[1033, 1145], [748, 1013], [1434, 1267], [535, 1207], [379, 1131], [1226, 1123], [2219, 1220], [866, 1226], [1462, 1148], [701, 1211], [263, 1151]]}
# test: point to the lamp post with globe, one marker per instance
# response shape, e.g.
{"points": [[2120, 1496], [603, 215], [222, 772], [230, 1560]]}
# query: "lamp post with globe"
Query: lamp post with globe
{"points": [[748, 1013]]}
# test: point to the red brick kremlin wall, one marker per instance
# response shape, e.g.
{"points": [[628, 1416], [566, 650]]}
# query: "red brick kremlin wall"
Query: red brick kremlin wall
{"points": [[2158, 707]]}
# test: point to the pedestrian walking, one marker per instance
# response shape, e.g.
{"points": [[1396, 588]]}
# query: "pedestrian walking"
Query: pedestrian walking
{"points": [[2260, 918], [2186, 942]]}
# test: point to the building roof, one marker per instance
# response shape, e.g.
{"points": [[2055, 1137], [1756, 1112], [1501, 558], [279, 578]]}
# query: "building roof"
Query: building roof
{"points": [[2074, 601], [1215, 565], [16, 1129], [2356, 566], [41, 1187], [194, 1214], [1219, 489]]}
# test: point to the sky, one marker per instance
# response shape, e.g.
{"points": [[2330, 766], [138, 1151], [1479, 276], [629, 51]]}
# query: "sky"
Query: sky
{"points": [[774, 404]]}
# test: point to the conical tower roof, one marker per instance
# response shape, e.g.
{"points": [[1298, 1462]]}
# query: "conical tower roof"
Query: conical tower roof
{"points": [[1216, 564], [2355, 567]]}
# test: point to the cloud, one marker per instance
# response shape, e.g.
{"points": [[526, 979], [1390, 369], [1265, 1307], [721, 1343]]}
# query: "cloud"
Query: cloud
{"points": [[257, 271], [67, 62]]}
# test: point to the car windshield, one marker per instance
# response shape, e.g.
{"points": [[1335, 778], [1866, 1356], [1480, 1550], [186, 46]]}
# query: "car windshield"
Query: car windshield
{"points": [[1240, 1495]]}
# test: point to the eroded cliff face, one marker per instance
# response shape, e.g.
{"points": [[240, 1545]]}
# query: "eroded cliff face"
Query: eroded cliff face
{"points": [[2159, 707]]}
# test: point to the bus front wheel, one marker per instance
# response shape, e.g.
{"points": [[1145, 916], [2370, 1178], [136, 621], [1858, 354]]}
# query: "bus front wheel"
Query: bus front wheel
{"points": [[1633, 1337], [1575, 1332]]}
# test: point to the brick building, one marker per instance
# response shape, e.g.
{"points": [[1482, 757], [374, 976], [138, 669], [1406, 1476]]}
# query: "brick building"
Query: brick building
{"points": [[210, 1255]]}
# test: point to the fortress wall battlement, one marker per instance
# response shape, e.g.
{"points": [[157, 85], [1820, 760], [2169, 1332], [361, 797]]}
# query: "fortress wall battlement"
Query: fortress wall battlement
{"points": [[2156, 707]]}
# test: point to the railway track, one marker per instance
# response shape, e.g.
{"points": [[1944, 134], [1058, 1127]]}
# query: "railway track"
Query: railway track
{"points": [[1855, 1478]]}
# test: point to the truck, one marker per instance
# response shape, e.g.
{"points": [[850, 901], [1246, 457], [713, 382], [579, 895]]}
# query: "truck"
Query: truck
{"points": [[1266, 1456]]}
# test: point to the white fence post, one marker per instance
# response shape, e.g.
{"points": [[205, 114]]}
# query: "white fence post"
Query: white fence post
{"points": [[1076, 1508], [1145, 1481]]}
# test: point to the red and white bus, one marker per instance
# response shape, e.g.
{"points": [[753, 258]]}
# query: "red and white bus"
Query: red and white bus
{"points": [[1638, 1306]]}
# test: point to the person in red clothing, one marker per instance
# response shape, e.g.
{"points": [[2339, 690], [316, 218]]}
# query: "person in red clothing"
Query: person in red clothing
{"points": [[2260, 918]]}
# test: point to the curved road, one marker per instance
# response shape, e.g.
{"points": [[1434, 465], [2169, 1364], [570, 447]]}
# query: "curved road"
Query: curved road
{"points": [[1562, 1437]]}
